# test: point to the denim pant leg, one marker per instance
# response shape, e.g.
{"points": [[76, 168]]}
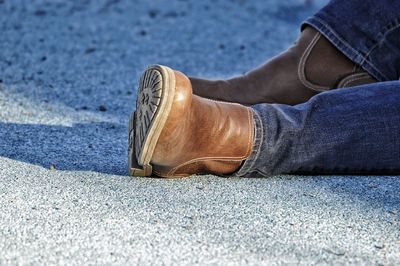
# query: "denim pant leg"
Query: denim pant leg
{"points": [[346, 131], [366, 31]]}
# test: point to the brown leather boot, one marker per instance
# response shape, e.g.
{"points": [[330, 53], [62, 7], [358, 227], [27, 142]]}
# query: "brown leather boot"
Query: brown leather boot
{"points": [[174, 133], [310, 66]]}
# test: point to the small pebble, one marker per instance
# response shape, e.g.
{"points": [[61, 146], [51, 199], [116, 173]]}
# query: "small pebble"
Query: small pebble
{"points": [[171, 14], [90, 50], [40, 13], [379, 246], [153, 13]]}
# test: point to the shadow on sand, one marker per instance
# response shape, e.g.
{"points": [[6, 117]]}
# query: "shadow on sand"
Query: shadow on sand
{"points": [[99, 147]]}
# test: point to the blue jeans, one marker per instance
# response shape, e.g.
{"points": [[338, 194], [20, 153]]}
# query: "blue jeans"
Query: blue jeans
{"points": [[345, 131]]}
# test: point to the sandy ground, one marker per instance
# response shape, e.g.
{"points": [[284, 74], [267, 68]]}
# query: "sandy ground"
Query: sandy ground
{"points": [[68, 74]]}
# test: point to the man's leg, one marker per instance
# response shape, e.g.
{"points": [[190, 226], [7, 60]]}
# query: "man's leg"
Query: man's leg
{"points": [[366, 31], [347, 43], [348, 131]]}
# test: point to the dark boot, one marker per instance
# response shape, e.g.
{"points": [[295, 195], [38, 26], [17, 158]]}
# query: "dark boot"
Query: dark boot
{"points": [[312, 65], [174, 133]]}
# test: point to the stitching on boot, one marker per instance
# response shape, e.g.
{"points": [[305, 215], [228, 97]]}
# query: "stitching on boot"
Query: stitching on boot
{"points": [[169, 176], [346, 82], [358, 56], [301, 70], [225, 159], [222, 159]]}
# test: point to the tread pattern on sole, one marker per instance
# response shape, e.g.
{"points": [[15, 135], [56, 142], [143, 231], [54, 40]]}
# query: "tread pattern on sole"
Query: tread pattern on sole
{"points": [[148, 100]]}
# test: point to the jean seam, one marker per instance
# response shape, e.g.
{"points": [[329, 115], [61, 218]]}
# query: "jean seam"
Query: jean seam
{"points": [[363, 61], [257, 142], [261, 139], [382, 35], [261, 172]]}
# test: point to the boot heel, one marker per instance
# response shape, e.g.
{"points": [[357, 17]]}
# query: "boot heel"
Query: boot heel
{"points": [[147, 170]]}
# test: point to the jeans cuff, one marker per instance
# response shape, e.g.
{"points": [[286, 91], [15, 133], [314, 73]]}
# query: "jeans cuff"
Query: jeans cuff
{"points": [[248, 164], [343, 46]]}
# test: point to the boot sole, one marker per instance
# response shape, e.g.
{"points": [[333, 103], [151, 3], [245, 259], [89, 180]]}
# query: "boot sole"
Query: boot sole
{"points": [[153, 104]]}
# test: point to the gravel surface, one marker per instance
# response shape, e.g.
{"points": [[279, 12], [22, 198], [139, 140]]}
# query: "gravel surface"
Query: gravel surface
{"points": [[68, 74]]}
